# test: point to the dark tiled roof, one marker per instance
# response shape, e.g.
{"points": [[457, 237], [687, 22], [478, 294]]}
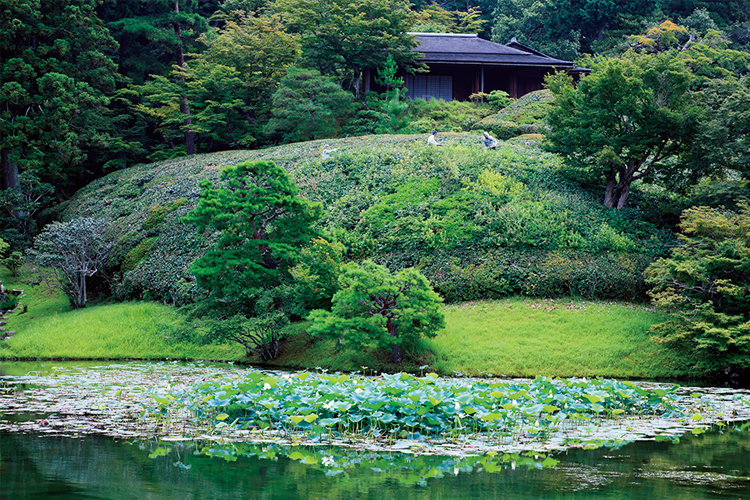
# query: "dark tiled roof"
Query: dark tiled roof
{"points": [[454, 48]]}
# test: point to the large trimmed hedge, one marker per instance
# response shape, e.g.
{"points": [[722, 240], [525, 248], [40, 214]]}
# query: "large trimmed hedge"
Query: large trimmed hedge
{"points": [[478, 223]]}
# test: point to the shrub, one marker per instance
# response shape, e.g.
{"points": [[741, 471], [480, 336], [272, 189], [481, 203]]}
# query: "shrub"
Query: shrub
{"points": [[136, 255], [704, 286], [158, 213], [499, 99], [8, 302], [316, 276], [376, 307]]}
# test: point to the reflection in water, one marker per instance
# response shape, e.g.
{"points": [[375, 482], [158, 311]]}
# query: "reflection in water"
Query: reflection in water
{"points": [[712, 465]]}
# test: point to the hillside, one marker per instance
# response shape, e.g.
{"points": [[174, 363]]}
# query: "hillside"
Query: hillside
{"points": [[479, 224]]}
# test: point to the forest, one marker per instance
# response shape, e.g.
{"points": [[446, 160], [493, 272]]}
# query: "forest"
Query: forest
{"points": [[92, 86]]}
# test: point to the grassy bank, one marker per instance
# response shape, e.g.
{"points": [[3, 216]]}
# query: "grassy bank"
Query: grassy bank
{"points": [[513, 337], [519, 337], [135, 330]]}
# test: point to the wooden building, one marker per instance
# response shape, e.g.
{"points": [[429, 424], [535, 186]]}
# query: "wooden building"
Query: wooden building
{"points": [[461, 65]]}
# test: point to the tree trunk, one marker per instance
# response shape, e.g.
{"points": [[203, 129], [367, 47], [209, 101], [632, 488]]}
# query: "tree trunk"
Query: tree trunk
{"points": [[188, 122], [397, 353], [9, 171], [624, 194], [610, 194], [357, 83], [184, 107]]}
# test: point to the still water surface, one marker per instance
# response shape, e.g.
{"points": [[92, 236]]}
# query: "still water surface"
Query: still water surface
{"points": [[710, 466], [714, 465]]}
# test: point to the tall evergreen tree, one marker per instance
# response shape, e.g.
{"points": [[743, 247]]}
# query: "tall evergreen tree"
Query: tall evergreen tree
{"points": [[56, 77], [154, 36]]}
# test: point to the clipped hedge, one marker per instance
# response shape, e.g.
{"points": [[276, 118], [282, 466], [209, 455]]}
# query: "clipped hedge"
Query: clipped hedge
{"points": [[478, 223], [525, 115], [502, 272]]}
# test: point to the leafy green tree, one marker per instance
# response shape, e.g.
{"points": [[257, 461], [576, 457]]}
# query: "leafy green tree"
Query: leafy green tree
{"points": [[231, 83], [308, 106], [57, 75], [376, 307], [68, 253], [624, 121], [723, 142], [435, 18], [13, 262], [705, 286], [529, 22], [316, 275], [262, 222], [342, 38]]}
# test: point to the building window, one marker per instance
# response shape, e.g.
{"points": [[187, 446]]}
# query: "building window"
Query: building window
{"points": [[429, 87]]}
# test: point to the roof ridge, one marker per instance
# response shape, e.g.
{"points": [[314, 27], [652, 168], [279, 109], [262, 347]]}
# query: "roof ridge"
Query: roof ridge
{"points": [[466, 35]]}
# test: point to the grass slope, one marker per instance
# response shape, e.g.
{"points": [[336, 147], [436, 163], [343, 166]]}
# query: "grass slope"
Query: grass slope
{"points": [[513, 337], [478, 224], [518, 337], [134, 330]]}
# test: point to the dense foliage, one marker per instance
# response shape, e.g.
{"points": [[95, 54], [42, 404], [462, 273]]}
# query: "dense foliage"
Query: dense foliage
{"points": [[476, 223], [705, 285], [374, 306]]}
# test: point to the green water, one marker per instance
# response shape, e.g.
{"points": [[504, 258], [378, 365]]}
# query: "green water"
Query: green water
{"points": [[709, 466]]}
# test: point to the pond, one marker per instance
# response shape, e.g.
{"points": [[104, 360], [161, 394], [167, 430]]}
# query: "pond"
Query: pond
{"points": [[708, 466], [35, 463]]}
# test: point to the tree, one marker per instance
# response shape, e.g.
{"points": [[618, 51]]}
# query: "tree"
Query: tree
{"points": [[594, 18], [231, 83], [705, 286], [529, 22], [228, 86], [57, 76], [263, 224], [623, 121], [723, 142], [308, 106], [73, 251], [376, 307], [342, 38], [436, 19], [155, 36]]}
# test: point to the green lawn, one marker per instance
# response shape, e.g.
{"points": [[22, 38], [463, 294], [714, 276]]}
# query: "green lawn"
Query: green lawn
{"points": [[528, 337], [513, 337], [50, 329]]}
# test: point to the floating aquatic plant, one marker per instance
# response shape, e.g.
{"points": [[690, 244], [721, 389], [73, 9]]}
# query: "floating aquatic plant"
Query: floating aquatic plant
{"points": [[401, 412]]}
